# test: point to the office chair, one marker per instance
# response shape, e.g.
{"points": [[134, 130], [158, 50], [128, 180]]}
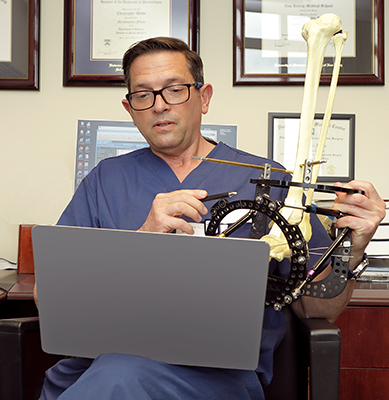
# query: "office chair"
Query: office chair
{"points": [[308, 359], [22, 361], [307, 362]]}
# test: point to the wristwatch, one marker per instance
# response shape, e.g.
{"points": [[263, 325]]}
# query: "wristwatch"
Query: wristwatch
{"points": [[357, 272]]}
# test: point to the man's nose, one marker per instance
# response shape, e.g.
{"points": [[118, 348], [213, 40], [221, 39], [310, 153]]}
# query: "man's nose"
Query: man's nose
{"points": [[160, 104]]}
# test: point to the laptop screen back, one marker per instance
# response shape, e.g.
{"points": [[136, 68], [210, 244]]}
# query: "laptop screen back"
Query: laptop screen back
{"points": [[175, 298]]}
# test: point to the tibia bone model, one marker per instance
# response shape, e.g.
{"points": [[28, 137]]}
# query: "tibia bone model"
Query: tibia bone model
{"points": [[317, 33]]}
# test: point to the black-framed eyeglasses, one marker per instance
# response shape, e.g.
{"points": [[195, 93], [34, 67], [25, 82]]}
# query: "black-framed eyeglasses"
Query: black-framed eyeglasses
{"points": [[178, 93]]}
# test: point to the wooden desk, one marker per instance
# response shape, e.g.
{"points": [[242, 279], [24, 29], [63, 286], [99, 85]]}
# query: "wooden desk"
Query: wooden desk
{"points": [[23, 288], [364, 326]]}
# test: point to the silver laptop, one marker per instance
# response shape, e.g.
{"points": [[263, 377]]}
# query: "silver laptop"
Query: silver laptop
{"points": [[175, 298]]}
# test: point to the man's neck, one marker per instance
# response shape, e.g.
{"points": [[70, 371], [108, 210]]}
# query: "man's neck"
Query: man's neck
{"points": [[183, 164]]}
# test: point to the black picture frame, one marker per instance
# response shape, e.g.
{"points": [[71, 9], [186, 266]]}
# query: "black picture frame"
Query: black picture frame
{"points": [[22, 71], [367, 68], [80, 70], [340, 155]]}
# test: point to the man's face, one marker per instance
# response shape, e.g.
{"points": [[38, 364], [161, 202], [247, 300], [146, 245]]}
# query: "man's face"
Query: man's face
{"points": [[169, 129]]}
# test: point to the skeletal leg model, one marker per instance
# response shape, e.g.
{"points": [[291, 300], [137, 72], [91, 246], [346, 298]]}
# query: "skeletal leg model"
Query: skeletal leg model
{"points": [[317, 33]]}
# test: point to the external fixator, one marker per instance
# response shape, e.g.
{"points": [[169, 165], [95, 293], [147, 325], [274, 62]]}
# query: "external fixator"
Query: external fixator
{"points": [[300, 282]]}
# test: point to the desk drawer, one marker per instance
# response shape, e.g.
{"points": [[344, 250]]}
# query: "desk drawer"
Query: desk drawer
{"points": [[363, 384], [364, 337]]}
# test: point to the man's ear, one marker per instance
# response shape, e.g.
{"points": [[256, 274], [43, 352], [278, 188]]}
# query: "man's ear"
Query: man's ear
{"points": [[206, 92], [128, 108]]}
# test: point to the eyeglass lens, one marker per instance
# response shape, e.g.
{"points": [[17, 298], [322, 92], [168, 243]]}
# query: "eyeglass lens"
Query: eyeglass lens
{"points": [[174, 94]]}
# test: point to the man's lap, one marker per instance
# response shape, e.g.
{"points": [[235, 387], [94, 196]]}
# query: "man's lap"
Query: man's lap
{"points": [[118, 376]]}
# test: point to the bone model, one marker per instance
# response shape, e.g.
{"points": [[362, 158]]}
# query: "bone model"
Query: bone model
{"points": [[317, 33]]}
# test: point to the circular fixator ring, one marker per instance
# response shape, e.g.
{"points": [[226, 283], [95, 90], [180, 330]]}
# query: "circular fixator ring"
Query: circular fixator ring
{"points": [[316, 187], [279, 290]]}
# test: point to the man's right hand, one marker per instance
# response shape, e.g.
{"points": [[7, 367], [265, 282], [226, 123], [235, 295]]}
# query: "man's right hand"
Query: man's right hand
{"points": [[168, 208]]}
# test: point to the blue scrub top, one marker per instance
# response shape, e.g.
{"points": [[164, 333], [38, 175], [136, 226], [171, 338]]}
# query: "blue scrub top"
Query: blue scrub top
{"points": [[118, 194]]}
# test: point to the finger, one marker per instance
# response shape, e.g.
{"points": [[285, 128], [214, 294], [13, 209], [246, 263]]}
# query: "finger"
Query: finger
{"points": [[193, 198], [365, 213], [168, 208], [363, 209], [369, 190], [359, 224], [164, 223], [197, 193], [363, 222], [361, 230], [181, 208], [168, 224], [190, 197], [370, 202], [183, 226]]}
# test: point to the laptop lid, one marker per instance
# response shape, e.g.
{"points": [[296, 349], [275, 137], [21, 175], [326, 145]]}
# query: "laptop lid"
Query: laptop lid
{"points": [[175, 298]]}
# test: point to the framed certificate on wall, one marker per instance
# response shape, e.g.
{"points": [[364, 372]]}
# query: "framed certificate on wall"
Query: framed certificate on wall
{"points": [[339, 146], [19, 44], [98, 33], [270, 50]]}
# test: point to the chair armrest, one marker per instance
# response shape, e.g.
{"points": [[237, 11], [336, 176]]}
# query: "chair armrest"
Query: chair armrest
{"points": [[323, 340], [22, 361], [309, 352], [12, 355]]}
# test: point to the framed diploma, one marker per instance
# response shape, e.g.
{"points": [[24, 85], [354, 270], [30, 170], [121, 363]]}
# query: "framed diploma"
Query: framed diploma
{"points": [[270, 50], [338, 151], [19, 44], [98, 33]]}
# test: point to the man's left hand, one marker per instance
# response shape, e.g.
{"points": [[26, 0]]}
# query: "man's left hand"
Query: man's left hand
{"points": [[365, 214]]}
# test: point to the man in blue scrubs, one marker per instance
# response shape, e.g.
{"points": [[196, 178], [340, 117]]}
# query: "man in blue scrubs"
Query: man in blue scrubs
{"points": [[158, 189]]}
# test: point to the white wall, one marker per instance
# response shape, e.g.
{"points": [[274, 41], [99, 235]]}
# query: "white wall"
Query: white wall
{"points": [[38, 129]]}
